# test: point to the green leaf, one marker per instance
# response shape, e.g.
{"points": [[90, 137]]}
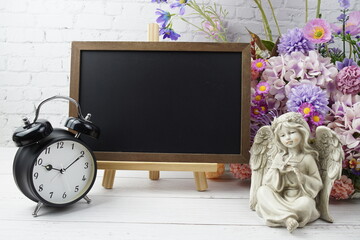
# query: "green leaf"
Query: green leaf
{"points": [[268, 44]]}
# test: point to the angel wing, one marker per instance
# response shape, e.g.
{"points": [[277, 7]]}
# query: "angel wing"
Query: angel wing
{"points": [[331, 156], [259, 160]]}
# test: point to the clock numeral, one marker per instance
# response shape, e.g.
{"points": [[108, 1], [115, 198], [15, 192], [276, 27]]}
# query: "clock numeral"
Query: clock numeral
{"points": [[82, 153], [83, 178], [41, 188], [51, 194], [72, 146], [39, 162], [64, 195], [36, 175], [60, 145], [86, 165], [77, 188], [47, 150]]}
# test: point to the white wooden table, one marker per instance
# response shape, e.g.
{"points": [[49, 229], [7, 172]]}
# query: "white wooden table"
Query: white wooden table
{"points": [[169, 208]]}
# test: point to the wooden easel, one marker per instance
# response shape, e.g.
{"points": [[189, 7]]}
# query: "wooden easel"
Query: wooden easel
{"points": [[154, 168]]}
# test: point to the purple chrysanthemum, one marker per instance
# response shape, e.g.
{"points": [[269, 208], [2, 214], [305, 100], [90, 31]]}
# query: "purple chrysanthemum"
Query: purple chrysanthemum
{"points": [[294, 41], [164, 17], [169, 33], [308, 93]]}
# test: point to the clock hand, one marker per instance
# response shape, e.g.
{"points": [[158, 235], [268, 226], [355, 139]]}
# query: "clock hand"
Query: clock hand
{"points": [[74, 162], [49, 167]]}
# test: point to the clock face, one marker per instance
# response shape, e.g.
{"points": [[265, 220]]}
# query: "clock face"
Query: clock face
{"points": [[63, 172]]}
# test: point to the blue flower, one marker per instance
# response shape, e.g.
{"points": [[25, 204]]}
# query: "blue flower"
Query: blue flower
{"points": [[342, 17], [169, 33], [159, 1], [308, 93], [345, 63], [181, 4], [344, 3], [164, 17], [294, 41]]}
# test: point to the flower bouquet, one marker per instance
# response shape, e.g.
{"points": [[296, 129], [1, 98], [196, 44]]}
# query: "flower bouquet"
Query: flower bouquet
{"points": [[303, 71]]}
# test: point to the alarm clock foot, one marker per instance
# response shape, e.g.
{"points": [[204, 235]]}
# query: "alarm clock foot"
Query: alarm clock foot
{"points": [[37, 209], [87, 199]]}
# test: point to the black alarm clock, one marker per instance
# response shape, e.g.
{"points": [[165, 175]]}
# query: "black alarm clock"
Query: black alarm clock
{"points": [[53, 167]]}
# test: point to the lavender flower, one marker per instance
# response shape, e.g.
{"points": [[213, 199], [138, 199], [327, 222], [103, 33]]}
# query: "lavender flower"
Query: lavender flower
{"points": [[344, 3], [294, 41], [352, 25], [335, 51], [342, 17], [308, 93]]}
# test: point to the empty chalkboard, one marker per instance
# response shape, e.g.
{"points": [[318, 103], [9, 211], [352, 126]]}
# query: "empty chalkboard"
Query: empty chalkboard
{"points": [[157, 101]]}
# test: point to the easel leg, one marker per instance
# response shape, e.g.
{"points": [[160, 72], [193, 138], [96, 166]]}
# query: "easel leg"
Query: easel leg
{"points": [[108, 179], [154, 175], [200, 181]]}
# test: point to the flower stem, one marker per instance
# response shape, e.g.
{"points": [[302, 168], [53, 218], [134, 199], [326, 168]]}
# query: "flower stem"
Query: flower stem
{"points": [[265, 21], [275, 19], [351, 49], [327, 49], [306, 10], [318, 9], [343, 33], [210, 15]]}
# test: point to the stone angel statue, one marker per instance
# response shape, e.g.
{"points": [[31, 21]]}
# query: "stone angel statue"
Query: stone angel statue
{"points": [[292, 177]]}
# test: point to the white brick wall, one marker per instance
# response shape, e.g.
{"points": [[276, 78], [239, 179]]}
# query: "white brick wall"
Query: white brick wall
{"points": [[35, 39]]}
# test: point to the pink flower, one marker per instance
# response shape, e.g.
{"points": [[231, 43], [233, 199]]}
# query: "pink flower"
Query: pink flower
{"points": [[345, 121], [348, 80], [316, 119], [213, 27], [262, 88], [259, 109], [258, 64], [342, 189], [317, 31], [353, 23], [306, 109], [286, 71], [241, 171], [258, 98]]}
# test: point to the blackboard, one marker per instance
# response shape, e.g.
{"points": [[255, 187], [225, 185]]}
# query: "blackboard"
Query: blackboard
{"points": [[160, 101]]}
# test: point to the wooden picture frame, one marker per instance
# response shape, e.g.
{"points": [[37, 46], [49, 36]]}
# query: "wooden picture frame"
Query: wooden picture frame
{"points": [[242, 157]]}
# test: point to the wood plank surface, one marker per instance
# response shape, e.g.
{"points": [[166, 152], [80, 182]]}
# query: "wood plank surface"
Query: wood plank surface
{"points": [[169, 208]]}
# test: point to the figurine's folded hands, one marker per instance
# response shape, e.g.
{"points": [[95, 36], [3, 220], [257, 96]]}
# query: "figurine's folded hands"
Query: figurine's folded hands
{"points": [[299, 175]]}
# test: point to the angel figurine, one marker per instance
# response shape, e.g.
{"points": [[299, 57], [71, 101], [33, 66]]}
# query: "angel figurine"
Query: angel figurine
{"points": [[291, 177]]}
